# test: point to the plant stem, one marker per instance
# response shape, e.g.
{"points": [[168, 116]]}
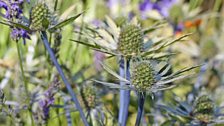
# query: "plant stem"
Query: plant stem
{"points": [[21, 68], [24, 80], [141, 101], [124, 94], [67, 84]]}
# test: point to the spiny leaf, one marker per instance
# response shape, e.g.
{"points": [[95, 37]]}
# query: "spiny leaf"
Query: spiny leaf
{"points": [[65, 22], [154, 27], [113, 85], [181, 71], [162, 82], [164, 44], [178, 39], [94, 47], [86, 44], [5, 23], [20, 26], [171, 110], [114, 73]]}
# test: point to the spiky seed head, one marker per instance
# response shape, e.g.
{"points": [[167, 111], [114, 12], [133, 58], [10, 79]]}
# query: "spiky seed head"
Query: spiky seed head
{"points": [[204, 109], [130, 40], [89, 97], [40, 17], [142, 75]]}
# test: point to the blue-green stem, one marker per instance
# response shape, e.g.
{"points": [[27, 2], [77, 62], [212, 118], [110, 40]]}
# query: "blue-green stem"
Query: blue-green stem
{"points": [[141, 101], [124, 94], [24, 79], [61, 73]]}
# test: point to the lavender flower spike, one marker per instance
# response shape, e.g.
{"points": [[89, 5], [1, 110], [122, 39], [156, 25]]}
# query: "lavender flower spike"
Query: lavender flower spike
{"points": [[162, 6], [13, 12], [61, 73]]}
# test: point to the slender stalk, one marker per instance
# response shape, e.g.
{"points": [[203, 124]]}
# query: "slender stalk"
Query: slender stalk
{"points": [[124, 94], [141, 101], [21, 68], [24, 80], [61, 73]]}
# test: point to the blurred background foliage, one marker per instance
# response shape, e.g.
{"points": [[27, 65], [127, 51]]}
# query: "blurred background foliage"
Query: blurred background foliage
{"points": [[202, 18]]}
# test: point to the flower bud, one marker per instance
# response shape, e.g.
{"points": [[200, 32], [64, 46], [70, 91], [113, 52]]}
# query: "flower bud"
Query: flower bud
{"points": [[142, 76], [89, 96], [40, 17], [130, 40], [204, 109]]}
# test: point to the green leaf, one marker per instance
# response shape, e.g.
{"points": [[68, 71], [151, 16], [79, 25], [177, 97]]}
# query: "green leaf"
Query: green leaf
{"points": [[113, 85], [181, 71], [161, 85], [5, 23], [155, 27], [86, 44], [164, 44], [20, 26], [114, 73], [65, 22]]}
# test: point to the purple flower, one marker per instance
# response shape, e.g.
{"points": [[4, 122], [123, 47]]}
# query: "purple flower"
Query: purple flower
{"points": [[112, 3], [45, 107], [3, 5], [162, 6], [48, 100], [13, 12]]}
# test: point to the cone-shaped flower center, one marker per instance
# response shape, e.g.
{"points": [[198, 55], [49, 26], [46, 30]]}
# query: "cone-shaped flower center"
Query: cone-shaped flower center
{"points": [[203, 109], [142, 76], [40, 17], [130, 40], [88, 95]]}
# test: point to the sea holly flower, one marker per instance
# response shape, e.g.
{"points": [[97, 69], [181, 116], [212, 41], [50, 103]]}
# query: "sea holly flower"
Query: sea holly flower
{"points": [[127, 40], [89, 96], [203, 109], [94, 109], [142, 75], [202, 112], [144, 78]]}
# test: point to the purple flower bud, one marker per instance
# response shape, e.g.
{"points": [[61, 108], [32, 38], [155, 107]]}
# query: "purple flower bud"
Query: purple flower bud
{"points": [[161, 6], [3, 5], [13, 12]]}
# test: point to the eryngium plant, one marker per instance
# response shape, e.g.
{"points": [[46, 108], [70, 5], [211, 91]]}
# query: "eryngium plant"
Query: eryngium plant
{"points": [[40, 21], [130, 40], [89, 96], [202, 112], [94, 110], [142, 75], [40, 17], [204, 109], [127, 41]]}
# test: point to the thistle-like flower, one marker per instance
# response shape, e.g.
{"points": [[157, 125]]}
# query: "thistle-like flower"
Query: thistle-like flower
{"points": [[142, 75], [126, 40], [204, 109], [202, 112], [89, 96], [145, 78], [40, 17], [130, 40]]}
